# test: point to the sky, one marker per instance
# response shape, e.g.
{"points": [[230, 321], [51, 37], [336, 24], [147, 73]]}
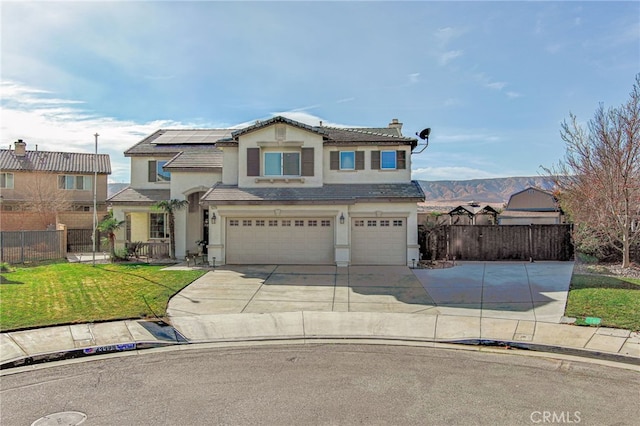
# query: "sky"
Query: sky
{"points": [[493, 80]]}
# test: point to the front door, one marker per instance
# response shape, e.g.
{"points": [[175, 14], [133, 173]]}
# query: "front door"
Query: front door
{"points": [[205, 229]]}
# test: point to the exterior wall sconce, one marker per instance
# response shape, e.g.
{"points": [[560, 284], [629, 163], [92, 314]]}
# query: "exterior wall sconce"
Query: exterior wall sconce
{"points": [[213, 217], [341, 218]]}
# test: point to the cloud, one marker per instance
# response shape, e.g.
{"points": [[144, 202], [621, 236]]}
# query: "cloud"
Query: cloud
{"points": [[496, 85], [513, 95], [414, 78], [341, 101], [446, 34], [447, 57], [55, 124], [450, 173]]}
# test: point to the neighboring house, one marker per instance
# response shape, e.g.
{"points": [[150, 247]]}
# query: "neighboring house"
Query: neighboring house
{"points": [[532, 206], [278, 191], [473, 214], [43, 188]]}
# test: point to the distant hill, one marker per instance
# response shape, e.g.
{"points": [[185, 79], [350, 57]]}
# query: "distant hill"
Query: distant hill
{"points": [[112, 188], [489, 191], [454, 192]]}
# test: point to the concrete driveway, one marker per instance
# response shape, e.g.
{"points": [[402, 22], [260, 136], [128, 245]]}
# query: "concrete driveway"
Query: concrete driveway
{"points": [[508, 290]]}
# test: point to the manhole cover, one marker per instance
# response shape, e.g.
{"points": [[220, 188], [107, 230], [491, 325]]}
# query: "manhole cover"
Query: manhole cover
{"points": [[66, 418]]}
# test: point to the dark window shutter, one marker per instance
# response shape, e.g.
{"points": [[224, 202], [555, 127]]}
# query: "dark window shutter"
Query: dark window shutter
{"points": [[334, 160], [253, 161], [375, 160], [307, 161], [152, 171], [359, 160], [401, 160]]}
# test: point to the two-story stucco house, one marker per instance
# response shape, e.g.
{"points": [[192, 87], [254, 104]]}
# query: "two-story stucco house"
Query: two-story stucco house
{"points": [[532, 206], [279, 191], [44, 188]]}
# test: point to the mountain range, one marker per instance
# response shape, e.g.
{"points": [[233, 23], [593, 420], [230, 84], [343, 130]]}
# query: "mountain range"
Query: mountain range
{"points": [[454, 192]]}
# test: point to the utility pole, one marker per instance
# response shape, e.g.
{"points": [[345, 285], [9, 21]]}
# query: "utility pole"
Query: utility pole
{"points": [[95, 194]]}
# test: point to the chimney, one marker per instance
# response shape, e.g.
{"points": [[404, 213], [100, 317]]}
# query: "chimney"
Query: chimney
{"points": [[395, 124], [21, 148]]}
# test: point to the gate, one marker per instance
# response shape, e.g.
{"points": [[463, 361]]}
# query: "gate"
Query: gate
{"points": [[79, 241], [31, 246]]}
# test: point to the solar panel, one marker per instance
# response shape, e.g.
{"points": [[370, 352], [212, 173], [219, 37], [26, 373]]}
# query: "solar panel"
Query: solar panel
{"points": [[204, 136]]}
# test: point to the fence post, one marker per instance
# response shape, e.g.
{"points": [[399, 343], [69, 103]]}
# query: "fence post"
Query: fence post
{"points": [[21, 246], [531, 243]]}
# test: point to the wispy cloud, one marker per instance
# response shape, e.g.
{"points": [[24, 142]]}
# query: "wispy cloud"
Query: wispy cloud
{"points": [[448, 56], [341, 101], [56, 124], [496, 85], [450, 173], [414, 78]]}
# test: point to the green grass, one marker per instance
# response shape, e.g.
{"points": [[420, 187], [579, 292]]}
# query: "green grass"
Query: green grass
{"points": [[616, 300], [74, 293]]}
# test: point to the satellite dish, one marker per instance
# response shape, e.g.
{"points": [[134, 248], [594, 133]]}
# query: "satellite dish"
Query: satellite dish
{"points": [[425, 133]]}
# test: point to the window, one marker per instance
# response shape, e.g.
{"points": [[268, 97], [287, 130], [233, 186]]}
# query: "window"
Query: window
{"points": [[273, 223], [388, 160], [325, 223], [234, 222], [397, 223], [156, 173], [286, 223], [259, 222], [158, 225], [75, 182], [282, 164], [299, 222], [6, 180], [312, 223], [384, 223], [371, 223], [347, 160], [359, 222], [246, 222]]}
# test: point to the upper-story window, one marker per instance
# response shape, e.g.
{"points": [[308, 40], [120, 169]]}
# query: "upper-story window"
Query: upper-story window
{"points": [[347, 160], [156, 173], [282, 164], [388, 160], [82, 183], [6, 180]]}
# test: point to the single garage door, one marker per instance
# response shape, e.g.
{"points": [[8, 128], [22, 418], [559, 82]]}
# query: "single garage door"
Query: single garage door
{"points": [[376, 241], [280, 241]]}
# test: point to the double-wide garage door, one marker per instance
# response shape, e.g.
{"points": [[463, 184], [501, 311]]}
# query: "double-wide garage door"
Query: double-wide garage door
{"points": [[376, 241], [280, 241]]}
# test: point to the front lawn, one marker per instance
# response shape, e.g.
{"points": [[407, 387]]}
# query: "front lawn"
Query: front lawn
{"points": [[74, 293], [616, 300]]}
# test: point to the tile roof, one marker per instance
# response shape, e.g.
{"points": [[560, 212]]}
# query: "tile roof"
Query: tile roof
{"points": [[174, 141], [53, 161], [344, 193], [209, 159], [139, 196]]}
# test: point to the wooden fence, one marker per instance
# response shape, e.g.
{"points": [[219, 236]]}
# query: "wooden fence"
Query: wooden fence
{"points": [[32, 246], [498, 242]]}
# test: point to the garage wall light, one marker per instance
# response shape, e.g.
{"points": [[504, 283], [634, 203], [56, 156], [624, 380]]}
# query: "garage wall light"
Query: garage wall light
{"points": [[341, 218], [213, 217]]}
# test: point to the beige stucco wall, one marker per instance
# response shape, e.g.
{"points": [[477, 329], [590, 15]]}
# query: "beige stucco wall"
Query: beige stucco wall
{"points": [[230, 169], [296, 138], [25, 184], [531, 199], [140, 173], [367, 175], [342, 236]]}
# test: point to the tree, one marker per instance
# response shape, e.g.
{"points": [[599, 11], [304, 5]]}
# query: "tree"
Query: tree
{"points": [[599, 177], [109, 225], [170, 207], [43, 197]]}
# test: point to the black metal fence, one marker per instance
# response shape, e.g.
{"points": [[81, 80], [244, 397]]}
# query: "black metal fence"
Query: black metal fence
{"points": [[79, 241], [498, 242], [31, 246]]}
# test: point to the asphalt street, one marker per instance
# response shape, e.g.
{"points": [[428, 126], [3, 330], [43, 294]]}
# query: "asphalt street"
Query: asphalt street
{"points": [[324, 384]]}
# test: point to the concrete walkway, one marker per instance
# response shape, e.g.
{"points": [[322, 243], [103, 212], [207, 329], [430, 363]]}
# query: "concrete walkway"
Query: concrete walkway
{"points": [[507, 303]]}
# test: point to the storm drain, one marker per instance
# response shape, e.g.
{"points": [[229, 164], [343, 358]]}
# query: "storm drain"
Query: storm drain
{"points": [[66, 418], [163, 331]]}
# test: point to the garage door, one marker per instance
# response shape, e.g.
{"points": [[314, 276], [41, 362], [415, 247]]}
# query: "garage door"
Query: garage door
{"points": [[280, 241], [376, 241]]}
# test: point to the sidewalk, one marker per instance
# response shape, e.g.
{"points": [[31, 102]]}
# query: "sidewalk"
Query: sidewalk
{"points": [[72, 341]]}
